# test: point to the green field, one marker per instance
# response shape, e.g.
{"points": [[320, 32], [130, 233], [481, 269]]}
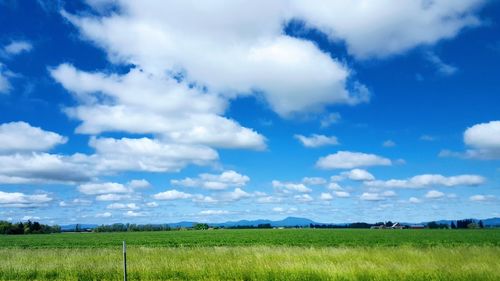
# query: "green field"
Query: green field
{"points": [[302, 254]]}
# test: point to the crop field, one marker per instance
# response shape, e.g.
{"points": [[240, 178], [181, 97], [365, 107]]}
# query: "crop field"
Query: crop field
{"points": [[302, 254]]}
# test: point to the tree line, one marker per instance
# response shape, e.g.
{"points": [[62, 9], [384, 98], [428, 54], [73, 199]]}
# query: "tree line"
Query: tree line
{"points": [[28, 227], [120, 227]]}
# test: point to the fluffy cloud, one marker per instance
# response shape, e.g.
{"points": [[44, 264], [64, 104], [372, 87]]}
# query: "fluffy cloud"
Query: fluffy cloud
{"points": [[43, 168], [303, 198], [131, 206], [174, 111], [235, 195], [113, 197], [213, 212], [17, 47], [139, 184], [389, 26], [342, 194], [134, 214], [429, 180], [18, 199], [484, 139], [102, 188], [414, 200], [21, 136], [349, 160], [259, 62], [371, 196], [172, 195], [289, 186], [481, 197], [326, 196], [434, 194], [358, 175], [317, 140], [104, 215], [221, 181], [145, 154], [313, 181]]}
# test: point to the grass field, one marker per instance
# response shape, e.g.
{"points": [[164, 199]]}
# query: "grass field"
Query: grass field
{"points": [[305, 254]]}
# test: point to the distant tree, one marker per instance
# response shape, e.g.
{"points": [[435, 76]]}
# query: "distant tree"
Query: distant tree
{"points": [[481, 225], [264, 225], [200, 226], [453, 225], [77, 228]]}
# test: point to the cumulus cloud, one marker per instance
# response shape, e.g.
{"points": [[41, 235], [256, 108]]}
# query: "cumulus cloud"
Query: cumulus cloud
{"points": [[104, 215], [289, 186], [358, 175], [235, 195], [102, 188], [43, 168], [303, 198], [313, 181], [131, 206], [317, 140], [17, 47], [484, 139], [388, 27], [134, 214], [139, 184], [113, 197], [349, 160], [221, 181], [481, 198], [152, 204], [21, 200], [342, 194], [434, 194], [414, 200], [172, 195], [22, 137], [429, 180], [371, 196], [213, 212], [325, 196]]}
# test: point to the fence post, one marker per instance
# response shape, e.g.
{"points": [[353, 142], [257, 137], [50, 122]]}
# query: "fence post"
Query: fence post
{"points": [[124, 261]]}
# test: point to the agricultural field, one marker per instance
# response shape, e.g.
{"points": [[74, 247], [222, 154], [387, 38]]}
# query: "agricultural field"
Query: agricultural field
{"points": [[290, 254]]}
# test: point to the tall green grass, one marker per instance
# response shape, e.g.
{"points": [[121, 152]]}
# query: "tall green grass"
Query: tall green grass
{"points": [[254, 263]]}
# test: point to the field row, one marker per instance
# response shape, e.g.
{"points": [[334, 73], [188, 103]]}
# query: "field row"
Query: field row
{"points": [[271, 237]]}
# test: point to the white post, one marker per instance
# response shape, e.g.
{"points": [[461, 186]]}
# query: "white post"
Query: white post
{"points": [[124, 261]]}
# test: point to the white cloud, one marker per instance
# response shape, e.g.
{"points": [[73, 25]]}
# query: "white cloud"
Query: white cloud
{"points": [[342, 194], [329, 119], [17, 47], [113, 197], [172, 195], [75, 202], [371, 196], [434, 194], [104, 215], [389, 193], [27, 218], [388, 27], [102, 188], [313, 181], [131, 206], [334, 186], [43, 168], [484, 139], [388, 143], [441, 67], [326, 196], [213, 212], [236, 195], [134, 214], [278, 209], [429, 180], [139, 184], [18, 199], [317, 140], [349, 160], [221, 181], [145, 154], [414, 200], [481, 197], [152, 204], [172, 110], [268, 200], [298, 187], [21, 136], [303, 198], [358, 175]]}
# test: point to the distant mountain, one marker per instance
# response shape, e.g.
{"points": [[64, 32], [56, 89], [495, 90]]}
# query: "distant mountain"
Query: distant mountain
{"points": [[72, 227], [287, 222]]}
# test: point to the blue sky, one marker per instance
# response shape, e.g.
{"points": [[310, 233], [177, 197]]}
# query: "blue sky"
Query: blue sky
{"points": [[338, 111]]}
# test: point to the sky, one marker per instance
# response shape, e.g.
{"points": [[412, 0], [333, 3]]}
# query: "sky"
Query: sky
{"points": [[165, 111]]}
